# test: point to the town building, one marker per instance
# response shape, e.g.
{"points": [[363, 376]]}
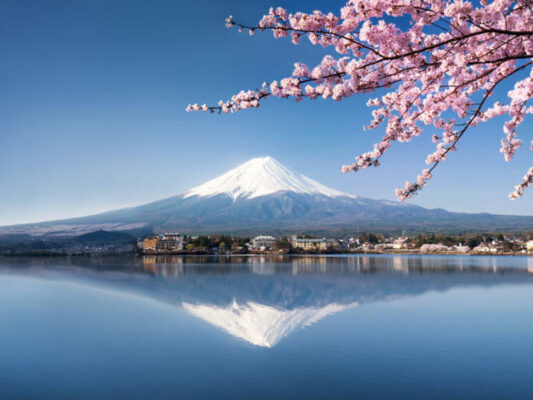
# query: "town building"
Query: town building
{"points": [[150, 244], [168, 235], [165, 242], [170, 242], [366, 246], [529, 245], [400, 243], [309, 244], [493, 247], [353, 242], [460, 248], [263, 242], [333, 244]]}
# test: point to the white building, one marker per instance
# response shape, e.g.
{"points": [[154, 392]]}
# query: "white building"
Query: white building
{"points": [[367, 246], [493, 247], [460, 248], [263, 242], [529, 245], [170, 242], [400, 243], [309, 244], [353, 242]]}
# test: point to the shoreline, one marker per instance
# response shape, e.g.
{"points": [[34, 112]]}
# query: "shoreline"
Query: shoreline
{"points": [[263, 254]]}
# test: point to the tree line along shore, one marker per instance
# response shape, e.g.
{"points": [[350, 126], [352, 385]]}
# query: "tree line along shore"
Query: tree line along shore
{"points": [[107, 242]]}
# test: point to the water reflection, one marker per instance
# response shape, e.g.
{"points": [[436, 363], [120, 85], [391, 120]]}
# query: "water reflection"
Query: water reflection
{"points": [[263, 299]]}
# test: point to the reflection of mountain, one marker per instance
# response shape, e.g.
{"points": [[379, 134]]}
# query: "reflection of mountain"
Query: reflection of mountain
{"points": [[262, 300], [259, 324]]}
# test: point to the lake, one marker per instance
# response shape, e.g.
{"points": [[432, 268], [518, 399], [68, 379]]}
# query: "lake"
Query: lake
{"points": [[325, 327]]}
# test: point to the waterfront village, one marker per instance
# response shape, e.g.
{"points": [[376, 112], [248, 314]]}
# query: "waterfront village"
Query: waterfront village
{"points": [[116, 242], [176, 243]]}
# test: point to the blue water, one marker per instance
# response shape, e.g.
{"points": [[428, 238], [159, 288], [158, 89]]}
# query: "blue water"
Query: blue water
{"points": [[398, 327]]}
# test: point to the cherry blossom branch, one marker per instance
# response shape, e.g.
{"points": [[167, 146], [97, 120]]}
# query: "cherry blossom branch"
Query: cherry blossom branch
{"points": [[411, 189], [430, 75], [251, 29], [526, 181]]}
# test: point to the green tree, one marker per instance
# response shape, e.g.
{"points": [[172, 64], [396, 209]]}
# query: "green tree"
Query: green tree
{"points": [[474, 241], [368, 237], [282, 244], [202, 242]]}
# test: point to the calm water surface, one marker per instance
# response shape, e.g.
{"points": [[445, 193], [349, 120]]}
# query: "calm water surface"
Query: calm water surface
{"points": [[398, 327]]}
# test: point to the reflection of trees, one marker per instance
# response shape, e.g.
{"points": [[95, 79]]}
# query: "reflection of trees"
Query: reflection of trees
{"points": [[265, 265], [286, 281], [172, 265]]}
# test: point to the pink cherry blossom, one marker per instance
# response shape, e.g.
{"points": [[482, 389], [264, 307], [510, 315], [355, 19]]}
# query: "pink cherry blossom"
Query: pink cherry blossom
{"points": [[439, 73]]}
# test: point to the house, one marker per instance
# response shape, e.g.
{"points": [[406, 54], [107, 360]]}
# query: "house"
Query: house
{"points": [[353, 242], [150, 244], [400, 243], [529, 245], [333, 244], [493, 247], [175, 236], [381, 246], [309, 244], [263, 242], [170, 242], [460, 248], [341, 244], [367, 246]]}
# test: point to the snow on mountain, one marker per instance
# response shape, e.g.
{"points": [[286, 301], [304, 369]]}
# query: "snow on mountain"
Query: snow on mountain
{"points": [[260, 177], [259, 324]]}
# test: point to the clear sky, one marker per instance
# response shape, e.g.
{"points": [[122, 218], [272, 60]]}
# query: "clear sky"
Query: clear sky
{"points": [[92, 99]]}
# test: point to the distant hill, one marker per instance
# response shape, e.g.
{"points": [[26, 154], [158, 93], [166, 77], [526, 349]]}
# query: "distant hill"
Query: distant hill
{"points": [[95, 241], [102, 237]]}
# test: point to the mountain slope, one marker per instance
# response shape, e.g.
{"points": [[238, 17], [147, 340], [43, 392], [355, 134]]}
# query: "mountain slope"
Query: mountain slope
{"points": [[263, 195]]}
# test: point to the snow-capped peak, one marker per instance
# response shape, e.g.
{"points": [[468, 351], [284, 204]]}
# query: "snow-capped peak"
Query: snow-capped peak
{"points": [[260, 177]]}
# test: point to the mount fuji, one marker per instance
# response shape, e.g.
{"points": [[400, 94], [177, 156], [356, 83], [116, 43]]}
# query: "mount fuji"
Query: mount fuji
{"points": [[262, 195], [261, 177]]}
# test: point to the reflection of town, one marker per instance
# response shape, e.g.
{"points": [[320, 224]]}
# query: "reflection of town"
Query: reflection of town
{"points": [[170, 266], [262, 299]]}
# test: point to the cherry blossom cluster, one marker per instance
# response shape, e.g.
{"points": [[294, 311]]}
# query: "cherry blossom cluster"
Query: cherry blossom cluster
{"points": [[407, 190], [519, 189], [437, 75]]}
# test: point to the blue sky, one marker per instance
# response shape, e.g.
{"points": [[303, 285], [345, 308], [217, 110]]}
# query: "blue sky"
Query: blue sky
{"points": [[92, 113]]}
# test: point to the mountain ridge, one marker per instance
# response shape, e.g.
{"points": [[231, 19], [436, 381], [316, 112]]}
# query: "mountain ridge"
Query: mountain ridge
{"points": [[262, 195]]}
